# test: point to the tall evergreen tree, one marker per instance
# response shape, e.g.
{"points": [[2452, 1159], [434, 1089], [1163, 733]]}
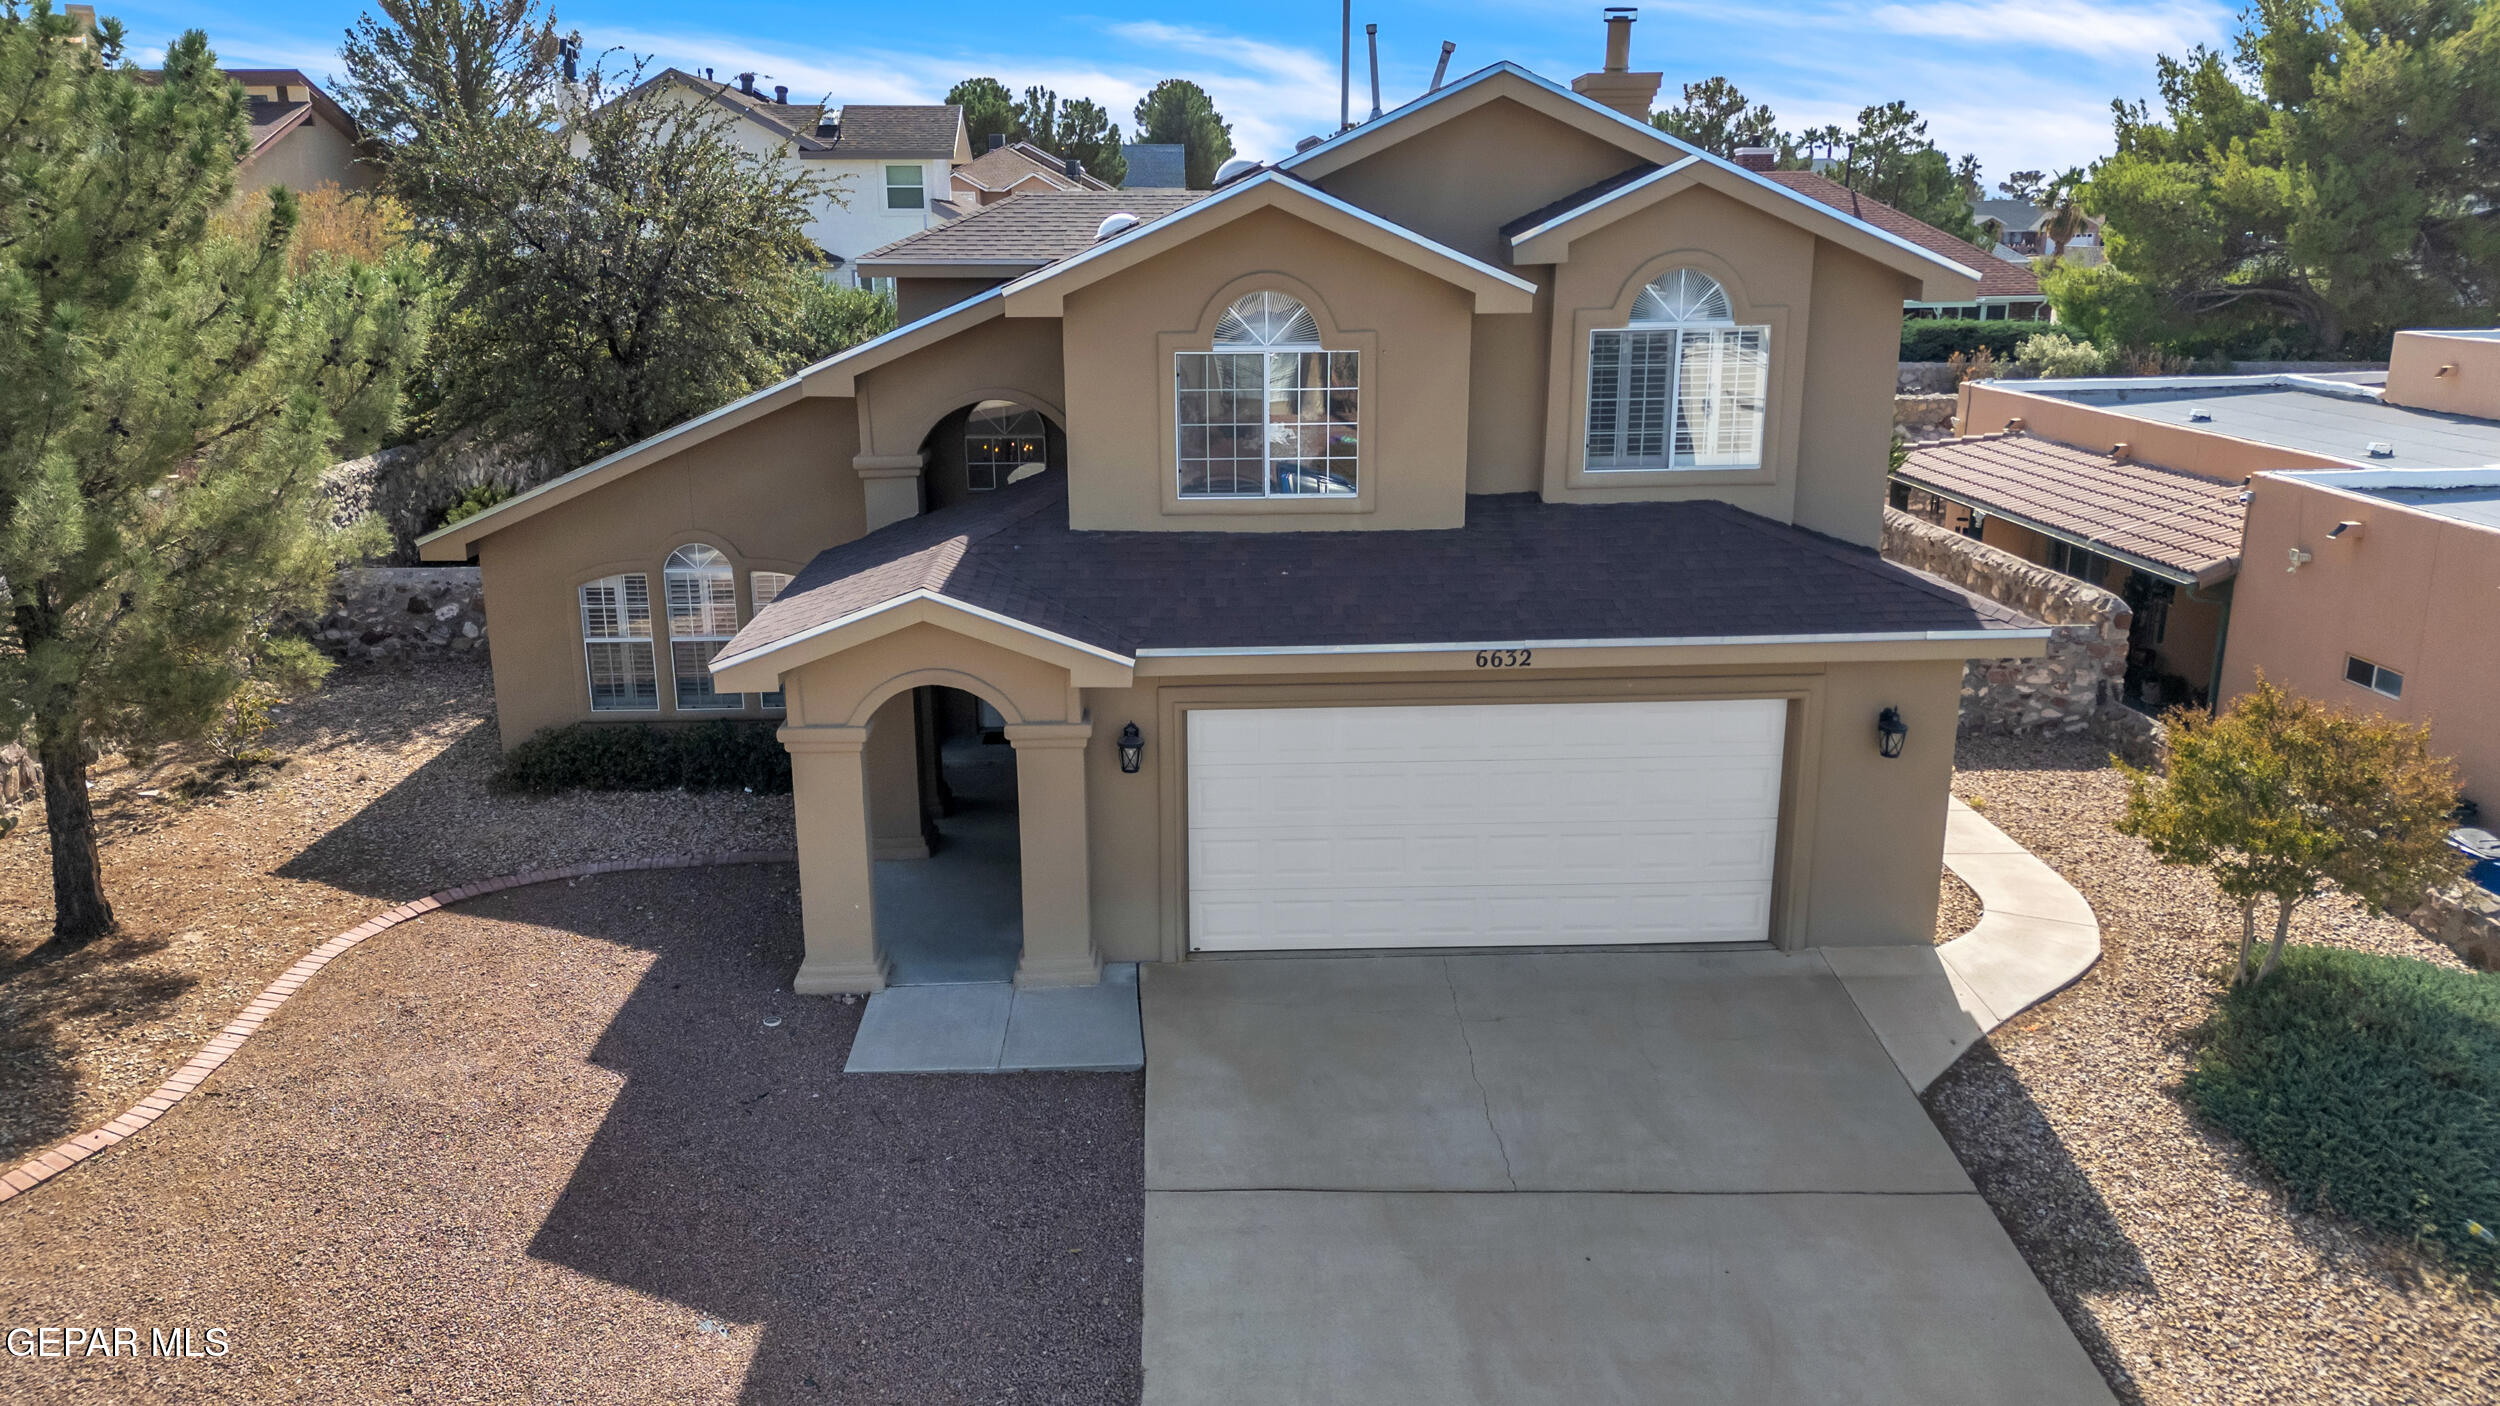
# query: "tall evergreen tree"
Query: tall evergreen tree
{"points": [[1717, 118], [168, 399], [1177, 110], [1087, 133], [989, 111], [422, 71]]}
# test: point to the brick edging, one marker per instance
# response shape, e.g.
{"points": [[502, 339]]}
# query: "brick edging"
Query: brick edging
{"points": [[44, 1166]]}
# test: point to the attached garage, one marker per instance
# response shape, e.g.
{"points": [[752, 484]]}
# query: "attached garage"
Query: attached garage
{"points": [[1493, 825]]}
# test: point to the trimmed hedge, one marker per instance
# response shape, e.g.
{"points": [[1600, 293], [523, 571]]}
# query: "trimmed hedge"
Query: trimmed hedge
{"points": [[2369, 1085], [1938, 338], [720, 755]]}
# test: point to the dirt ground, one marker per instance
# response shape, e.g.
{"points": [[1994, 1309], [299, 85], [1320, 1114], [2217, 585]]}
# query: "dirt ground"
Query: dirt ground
{"points": [[2186, 1275], [578, 1142], [382, 799]]}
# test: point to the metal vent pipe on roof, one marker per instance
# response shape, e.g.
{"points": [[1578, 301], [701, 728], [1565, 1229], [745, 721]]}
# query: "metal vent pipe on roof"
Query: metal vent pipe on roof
{"points": [[1441, 70], [781, 94], [1371, 36], [1619, 37], [1345, 66]]}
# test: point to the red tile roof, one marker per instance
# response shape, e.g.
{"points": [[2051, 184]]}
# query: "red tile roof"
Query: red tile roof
{"points": [[1998, 278], [2183, 522]]}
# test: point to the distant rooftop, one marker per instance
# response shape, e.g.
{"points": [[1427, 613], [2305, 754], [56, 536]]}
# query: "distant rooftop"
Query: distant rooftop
{"points": [[2467, 495], [1156, 166], [2333, 417]]}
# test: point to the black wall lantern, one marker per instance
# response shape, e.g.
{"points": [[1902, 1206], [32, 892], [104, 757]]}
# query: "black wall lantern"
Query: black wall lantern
{"points": [[1890, 732], [1132, 749]]}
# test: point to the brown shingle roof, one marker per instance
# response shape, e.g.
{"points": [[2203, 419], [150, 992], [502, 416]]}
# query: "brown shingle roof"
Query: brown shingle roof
{"points": [[1017, 161], [922, 131], [1998, 278], [1521, 569], [1041, 226], [2186, 523]]}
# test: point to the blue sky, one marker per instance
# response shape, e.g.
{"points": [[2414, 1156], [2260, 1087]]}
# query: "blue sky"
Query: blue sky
{"points": [[2023, 83]]}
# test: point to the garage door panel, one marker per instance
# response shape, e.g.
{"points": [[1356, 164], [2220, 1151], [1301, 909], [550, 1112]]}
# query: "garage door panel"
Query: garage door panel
{"points": [[1467, 825]]}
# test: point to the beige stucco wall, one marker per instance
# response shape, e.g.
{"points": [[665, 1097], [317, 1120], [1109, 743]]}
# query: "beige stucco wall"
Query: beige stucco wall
{"points": [[916, 298], [1411, 329], [770, 495], [2412, 592], [313, 154], [1016, 359], [2434, 371], [1860, 835]]}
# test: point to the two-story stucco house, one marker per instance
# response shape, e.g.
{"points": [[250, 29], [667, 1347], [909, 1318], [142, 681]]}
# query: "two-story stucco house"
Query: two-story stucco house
{"points": [[1459, 534], [894, 164]]}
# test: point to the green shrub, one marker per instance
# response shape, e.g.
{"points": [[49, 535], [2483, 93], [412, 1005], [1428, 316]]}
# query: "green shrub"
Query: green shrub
{"points": [[1938, 338], [2370, 1085], [2054, 355], [720, 755], [478, 499]]}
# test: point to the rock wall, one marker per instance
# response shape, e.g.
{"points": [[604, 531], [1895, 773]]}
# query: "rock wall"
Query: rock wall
{"points": [[2078, 686], [403, 612], [2467, 920]]}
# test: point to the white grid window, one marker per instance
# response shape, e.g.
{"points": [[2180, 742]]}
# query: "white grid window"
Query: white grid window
{"points": [[616, 644], [1682, 387], [1268, 413], [702, 615], [1001, 440], [2373, 677], [765, 587]]}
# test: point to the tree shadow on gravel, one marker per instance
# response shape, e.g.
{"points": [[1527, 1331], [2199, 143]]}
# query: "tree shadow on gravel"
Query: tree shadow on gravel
{"points": [[898, 1238], [395, 846], [2050, 1209], [39, 1075]]}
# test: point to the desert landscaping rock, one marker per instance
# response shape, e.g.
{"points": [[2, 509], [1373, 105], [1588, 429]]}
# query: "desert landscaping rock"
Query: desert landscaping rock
{"points": [[2188, 1277]]}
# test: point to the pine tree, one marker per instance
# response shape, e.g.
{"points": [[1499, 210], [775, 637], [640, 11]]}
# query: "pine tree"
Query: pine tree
{"points": [[1177, 110], [168, 398]]}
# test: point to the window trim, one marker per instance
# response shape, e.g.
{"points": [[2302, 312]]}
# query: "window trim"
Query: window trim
{"points": [[649, 644], [1316, 343], [670, 574], [1678, 329], [918, 185], [2378, 673]]}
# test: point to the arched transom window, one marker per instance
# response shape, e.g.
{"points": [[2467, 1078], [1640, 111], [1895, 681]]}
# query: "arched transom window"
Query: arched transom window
{"points": [[1004, 443], [1267, 412], [702, 615], [1681, 387]]}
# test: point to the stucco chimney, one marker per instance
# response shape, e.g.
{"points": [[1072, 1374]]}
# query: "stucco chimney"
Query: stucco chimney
{"points": [[1072, 167], [1616, 85], [1756, 158]]}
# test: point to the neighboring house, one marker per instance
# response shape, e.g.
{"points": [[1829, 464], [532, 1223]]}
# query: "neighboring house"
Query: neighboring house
{"points": [[301, 138], [1017, 168], [961, 258], [1346, 559], [2005, 290], [2139, 480], [2018, 232], [1155, 166], [896, 163]]}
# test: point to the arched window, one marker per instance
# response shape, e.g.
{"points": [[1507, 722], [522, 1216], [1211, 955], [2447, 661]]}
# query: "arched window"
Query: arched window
{"points": [[702, 615], [1267, 412], [1004, 443], [616, 644], [1683, 386]]}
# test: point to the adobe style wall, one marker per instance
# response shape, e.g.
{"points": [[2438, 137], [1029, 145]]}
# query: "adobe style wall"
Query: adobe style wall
{"points": [[2074, 688]]}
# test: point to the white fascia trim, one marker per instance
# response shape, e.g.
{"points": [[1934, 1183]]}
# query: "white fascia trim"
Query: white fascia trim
{"points": [[1263, 179], [470, 525], [1685, 153], [1657, 642], [720, 662]]}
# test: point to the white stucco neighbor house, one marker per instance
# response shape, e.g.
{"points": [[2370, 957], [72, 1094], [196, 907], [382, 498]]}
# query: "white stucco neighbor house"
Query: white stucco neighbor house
{"points": [[897, 162]]}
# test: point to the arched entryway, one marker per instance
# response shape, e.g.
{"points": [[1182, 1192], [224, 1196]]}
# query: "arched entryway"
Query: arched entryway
{"points": [[983, 447], [954, 912]]}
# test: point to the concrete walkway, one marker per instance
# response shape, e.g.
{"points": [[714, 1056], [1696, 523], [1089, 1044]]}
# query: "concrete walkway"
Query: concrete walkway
{"points": [[1928, 1003], [1587, 1178]]}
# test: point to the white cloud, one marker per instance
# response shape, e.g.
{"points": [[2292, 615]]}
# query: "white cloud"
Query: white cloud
{"points": [[2101, 31]]}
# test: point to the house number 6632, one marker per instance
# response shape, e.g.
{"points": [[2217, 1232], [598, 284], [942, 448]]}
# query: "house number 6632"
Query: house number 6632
{"points": [[1502, 658]]}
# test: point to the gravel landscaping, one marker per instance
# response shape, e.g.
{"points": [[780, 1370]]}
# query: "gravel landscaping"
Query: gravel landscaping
{"points": [[382, 799], [1957, 909], [580, 1136], [2188, 1277]]}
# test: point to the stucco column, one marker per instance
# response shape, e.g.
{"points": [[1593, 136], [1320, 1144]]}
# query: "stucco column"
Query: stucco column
{"points": [[891, 485], [837, 880], [1050, 819], [893, 764]]}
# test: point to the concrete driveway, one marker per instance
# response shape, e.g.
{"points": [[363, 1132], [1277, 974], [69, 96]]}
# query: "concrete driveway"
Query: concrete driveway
{"points": [[1626, 1177]]}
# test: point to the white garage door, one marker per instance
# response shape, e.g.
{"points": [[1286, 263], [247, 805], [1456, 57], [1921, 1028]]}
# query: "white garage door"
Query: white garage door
{"points": [[1508, 825]]}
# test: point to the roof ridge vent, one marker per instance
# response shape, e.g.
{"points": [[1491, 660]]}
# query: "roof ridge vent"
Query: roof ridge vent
{"points": [[1117, 222]]}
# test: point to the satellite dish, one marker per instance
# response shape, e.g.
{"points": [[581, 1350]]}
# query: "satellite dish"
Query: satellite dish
{"points": [[1118, 222], [1235, 169]]}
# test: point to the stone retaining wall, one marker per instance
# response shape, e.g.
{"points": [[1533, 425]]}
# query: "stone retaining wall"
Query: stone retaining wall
{"points": [[403, 612], [2467, 920], [2077, 687], [1920, 416]]}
